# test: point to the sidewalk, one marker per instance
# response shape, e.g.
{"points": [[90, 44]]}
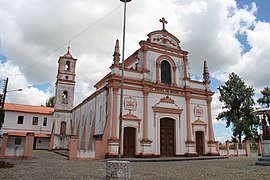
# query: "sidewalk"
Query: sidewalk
{"points": [[167, 159]]}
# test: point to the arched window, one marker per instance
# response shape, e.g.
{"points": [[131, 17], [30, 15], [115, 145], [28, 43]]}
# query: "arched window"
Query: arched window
{"points": [[67, 67], [65, 97], [63, 128], [166, 76]]}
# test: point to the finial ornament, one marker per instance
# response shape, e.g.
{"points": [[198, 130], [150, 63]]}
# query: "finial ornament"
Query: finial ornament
{"points": [[68, 52], [206, 74], [163, 21], [116, 54]]}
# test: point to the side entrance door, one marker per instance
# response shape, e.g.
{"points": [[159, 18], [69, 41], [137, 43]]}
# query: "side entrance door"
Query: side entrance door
{"points": [[129, 141], [199, 142], [167, 137]]}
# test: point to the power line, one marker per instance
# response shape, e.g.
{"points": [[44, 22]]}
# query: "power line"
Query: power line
{"points": [[76, 36]]}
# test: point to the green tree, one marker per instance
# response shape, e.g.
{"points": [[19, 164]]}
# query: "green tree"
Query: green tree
{"points": [[238, 105], [50, 102], [265, 100]]}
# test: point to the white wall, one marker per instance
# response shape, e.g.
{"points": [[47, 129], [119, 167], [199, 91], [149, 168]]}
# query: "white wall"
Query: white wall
{"points": [[15, 149], [42, 143], [11, 118]]}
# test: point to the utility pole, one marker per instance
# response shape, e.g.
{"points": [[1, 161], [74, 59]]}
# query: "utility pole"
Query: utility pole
{"points": [[2, 101], [122, 81], [4, 93]]}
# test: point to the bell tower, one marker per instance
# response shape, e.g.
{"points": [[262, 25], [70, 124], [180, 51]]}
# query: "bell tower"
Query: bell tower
{"points": [[64, 99]]}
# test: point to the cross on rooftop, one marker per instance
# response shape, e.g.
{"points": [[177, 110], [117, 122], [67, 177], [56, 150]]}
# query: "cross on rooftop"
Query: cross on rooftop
{"points": [[68, 49], [163, 21]]}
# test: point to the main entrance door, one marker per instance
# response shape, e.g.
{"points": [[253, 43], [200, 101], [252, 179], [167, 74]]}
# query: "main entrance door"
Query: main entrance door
{"points": [[129, 141], [167, 142], [199, 142]]}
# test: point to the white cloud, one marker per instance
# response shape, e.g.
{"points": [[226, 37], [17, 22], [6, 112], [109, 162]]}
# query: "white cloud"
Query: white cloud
{"points": [[17, 80], [216, 109], [32, 31], [253, 65]]}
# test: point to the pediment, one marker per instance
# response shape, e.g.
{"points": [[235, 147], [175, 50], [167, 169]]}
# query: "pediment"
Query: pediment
{"points": [[163, 37], [167, 105], [199, 122]]}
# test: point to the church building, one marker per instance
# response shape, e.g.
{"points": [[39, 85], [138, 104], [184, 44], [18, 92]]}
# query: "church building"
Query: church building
{"points": [[165, 112]]}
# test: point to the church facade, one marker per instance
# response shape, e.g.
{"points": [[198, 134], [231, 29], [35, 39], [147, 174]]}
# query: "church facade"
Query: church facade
{"points": [[165, 112]]}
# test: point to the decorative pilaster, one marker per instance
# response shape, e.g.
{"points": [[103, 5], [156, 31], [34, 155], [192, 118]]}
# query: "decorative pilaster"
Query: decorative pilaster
{"points": [[212, 144], [174, 75], [185, 68], [145, 142], [145, 113], [115, 111], [145, 50], [210, 125], [158, 73], [188, 123], [190, 145], [82, 145], [113, 142]]}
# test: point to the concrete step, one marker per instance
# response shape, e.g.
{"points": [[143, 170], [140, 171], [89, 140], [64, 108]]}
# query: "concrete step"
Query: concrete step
{"points": [[263, 163], [263, 158], [162, 159]]}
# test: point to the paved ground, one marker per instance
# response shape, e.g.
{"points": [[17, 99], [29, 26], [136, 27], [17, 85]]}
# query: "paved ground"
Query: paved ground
{"points": [[49, 165]]}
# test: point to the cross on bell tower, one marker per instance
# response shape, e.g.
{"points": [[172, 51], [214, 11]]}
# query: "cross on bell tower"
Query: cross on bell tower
{"points": [[163, 21]]}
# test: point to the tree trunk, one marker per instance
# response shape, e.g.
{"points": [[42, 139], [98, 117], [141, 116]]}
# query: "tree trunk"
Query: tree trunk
{"points": [[240, 137]]}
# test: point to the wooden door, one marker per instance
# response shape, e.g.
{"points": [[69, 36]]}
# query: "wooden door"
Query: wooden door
{"points": [[167, 142], [129, 142], [199, 142], [63, 128]]}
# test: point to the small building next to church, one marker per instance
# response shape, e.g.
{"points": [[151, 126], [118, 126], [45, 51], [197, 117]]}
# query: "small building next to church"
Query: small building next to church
{"points": [[165, 112], [21, 120]]}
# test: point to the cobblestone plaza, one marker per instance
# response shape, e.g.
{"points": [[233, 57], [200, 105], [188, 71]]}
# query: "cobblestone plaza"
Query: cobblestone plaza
{"points": [[49, 165]]}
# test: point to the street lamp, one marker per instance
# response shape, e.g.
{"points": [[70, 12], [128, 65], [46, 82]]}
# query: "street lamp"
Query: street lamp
{"points": [[2, 101], [122, 81], [5, 91], [14, 90]]}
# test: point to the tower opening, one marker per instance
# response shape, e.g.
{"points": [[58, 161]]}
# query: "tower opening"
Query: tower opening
{"points": [[67, 67]]}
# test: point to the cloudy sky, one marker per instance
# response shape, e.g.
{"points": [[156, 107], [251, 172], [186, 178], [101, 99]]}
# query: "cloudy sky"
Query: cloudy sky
{"points": [[232, 35]]}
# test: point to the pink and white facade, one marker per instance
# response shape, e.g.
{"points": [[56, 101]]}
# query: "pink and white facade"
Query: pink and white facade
{"points": [[165, 113]]}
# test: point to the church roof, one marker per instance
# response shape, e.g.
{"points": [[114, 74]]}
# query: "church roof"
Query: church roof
{"points": [[28, 108]]}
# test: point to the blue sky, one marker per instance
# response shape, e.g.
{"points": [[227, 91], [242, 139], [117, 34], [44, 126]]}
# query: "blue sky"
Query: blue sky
{"points": [[262, 14], [233, 36]]}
